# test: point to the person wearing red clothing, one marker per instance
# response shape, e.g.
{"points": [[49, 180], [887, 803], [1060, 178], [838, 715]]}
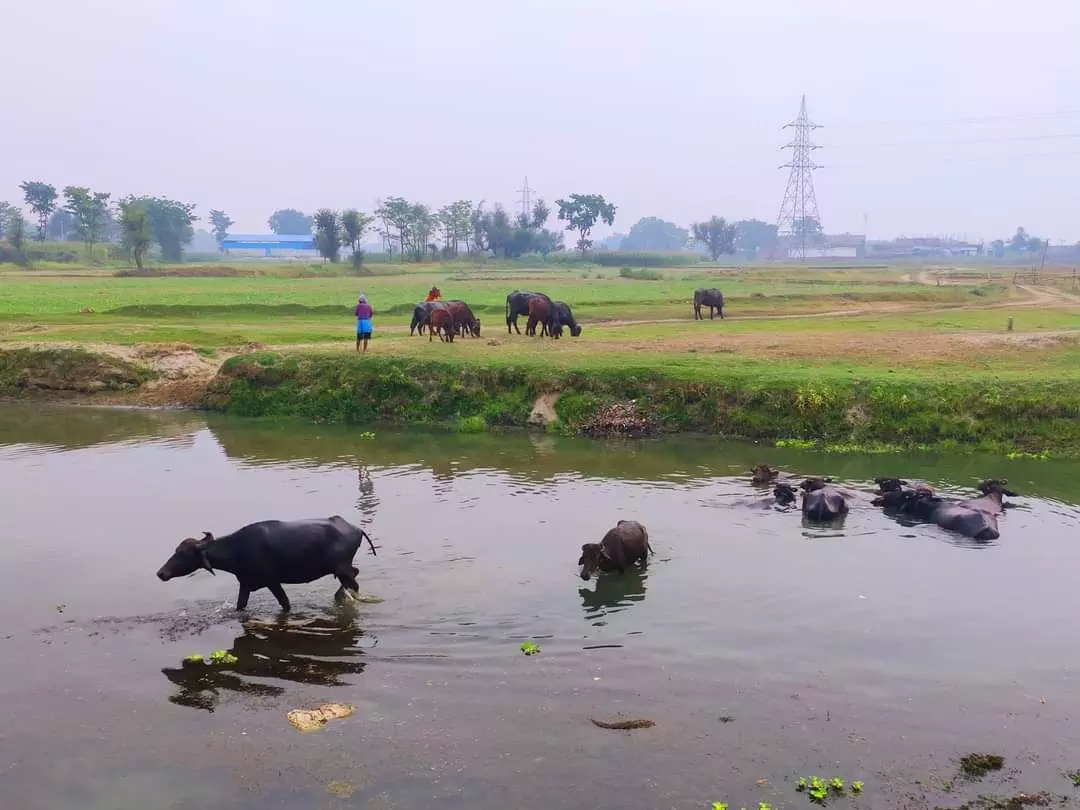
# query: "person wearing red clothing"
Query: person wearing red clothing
{"points": [[433, 295]]}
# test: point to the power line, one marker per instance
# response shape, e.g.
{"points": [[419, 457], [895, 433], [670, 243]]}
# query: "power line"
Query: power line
{"points": [[1005, 156], [917, 141], [916, 122]]}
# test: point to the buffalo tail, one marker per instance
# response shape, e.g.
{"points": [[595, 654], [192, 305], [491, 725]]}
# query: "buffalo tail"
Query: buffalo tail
{"points": [[371, 544]]}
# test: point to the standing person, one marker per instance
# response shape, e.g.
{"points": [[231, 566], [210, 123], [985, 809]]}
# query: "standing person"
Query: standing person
{"points": [[363, 322], [433, 294]]}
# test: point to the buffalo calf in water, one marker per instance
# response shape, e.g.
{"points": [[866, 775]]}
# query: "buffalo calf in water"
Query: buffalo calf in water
{"points": [[621, 547], [270, 553]]}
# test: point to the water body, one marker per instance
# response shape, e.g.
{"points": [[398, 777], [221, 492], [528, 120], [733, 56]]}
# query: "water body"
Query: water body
{"points": [[763, 649]]}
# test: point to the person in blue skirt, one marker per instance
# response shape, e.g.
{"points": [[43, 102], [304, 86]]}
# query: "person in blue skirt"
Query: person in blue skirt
{"points": [[364, 312]]}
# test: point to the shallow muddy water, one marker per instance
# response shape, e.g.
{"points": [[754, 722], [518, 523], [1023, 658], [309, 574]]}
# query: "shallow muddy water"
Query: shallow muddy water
{"points": [[763, 649]]}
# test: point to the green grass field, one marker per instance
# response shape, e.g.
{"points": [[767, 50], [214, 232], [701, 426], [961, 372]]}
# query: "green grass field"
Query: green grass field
{"points": [[781, 320]]}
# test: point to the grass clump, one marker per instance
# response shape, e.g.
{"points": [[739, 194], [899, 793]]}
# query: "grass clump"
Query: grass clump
{"points": [[976, 766], [640, 274], [820, 790]]}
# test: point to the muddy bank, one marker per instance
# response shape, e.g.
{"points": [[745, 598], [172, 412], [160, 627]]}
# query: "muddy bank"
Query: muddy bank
{"points": [[1031, 418]]}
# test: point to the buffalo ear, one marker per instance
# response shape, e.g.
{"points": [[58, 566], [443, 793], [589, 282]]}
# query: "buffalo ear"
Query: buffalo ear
{"points": [[202, 545], [581, 560]]}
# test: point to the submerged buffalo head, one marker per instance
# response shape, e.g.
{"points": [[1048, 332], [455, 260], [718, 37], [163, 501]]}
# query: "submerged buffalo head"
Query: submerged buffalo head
{"points": [[188, 558], [763, 474], [890, 484], [591, 554], [784, 494], [814, 484], [998, 485]]}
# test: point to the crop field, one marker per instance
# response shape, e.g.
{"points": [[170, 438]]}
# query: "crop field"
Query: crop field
{"points": [[780, 320]]}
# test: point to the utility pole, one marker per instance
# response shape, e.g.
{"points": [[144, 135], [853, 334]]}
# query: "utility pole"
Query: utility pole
{"points": [[526, 198], [799, 207]]}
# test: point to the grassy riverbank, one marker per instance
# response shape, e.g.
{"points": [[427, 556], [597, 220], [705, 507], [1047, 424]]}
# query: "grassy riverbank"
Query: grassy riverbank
{"points": [[757, 402], [841, 357]]}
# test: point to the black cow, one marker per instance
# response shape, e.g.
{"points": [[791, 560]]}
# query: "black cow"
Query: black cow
{"points": [[517, 304], [711, 298], [421, 314], [271, 552], [562, 316]]}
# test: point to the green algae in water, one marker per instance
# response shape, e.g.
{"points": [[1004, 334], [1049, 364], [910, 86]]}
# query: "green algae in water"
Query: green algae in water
{"points": [[530, 648]]}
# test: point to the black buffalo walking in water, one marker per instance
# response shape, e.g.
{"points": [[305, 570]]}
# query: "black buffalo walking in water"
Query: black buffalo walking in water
{"points": [[621, 547], [711, 298], [270, 553]]}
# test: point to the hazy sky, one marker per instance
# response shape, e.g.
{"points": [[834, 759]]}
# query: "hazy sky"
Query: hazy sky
{"points": [[670, 108]]}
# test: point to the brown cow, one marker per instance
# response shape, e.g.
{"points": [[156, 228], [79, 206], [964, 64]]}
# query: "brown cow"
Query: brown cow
{"points": [[464, 320], [441, 322], [539, 313]]}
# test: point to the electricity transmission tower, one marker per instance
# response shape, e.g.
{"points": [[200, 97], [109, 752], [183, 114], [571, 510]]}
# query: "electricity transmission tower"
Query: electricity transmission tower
{"points": [[799, 211], [526, 198]]}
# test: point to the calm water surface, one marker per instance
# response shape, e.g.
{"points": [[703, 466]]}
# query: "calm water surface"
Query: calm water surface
{"points": [[871, 650]]}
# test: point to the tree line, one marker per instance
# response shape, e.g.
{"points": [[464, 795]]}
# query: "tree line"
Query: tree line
{"points": [[414, 231], [137, 223]]}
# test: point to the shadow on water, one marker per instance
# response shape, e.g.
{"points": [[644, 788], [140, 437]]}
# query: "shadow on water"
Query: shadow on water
{"points": [[612, 593], [318, 651]]}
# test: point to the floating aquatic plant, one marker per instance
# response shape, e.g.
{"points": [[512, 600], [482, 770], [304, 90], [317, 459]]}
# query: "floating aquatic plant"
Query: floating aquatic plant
{"points": [[530, 648]]}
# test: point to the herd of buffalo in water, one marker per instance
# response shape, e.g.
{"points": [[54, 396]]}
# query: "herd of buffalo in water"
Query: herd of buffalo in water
{"points": [[975, 518], [272, 553], [454, 318]]}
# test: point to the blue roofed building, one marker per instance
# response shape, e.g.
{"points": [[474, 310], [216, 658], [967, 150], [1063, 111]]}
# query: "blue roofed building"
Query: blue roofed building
{"points": [[269, 242]]}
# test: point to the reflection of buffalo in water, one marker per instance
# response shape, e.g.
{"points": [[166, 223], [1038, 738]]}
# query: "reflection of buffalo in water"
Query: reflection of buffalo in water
{"points": [[319, 651], [613, 593]]}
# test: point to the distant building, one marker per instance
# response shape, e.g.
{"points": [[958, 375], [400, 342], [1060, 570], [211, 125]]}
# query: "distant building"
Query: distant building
{"points": [[267, 244], [923, 246], [830, 246]]}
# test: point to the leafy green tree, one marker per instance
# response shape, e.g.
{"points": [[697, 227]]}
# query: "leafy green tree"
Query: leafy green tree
{"points": [[8, 212], [752, 236], [16, 232], [655, 234], [290, 221], [90, 210], [1019, 240], [809, 229], [328, 234], [136, 233], [354, 225], [716, 235], [220, 224], [581, 212], [171, 223], [41, 197]]}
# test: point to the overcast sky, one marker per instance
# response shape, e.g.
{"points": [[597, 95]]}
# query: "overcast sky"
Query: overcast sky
{"points": [[669, 108]]}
